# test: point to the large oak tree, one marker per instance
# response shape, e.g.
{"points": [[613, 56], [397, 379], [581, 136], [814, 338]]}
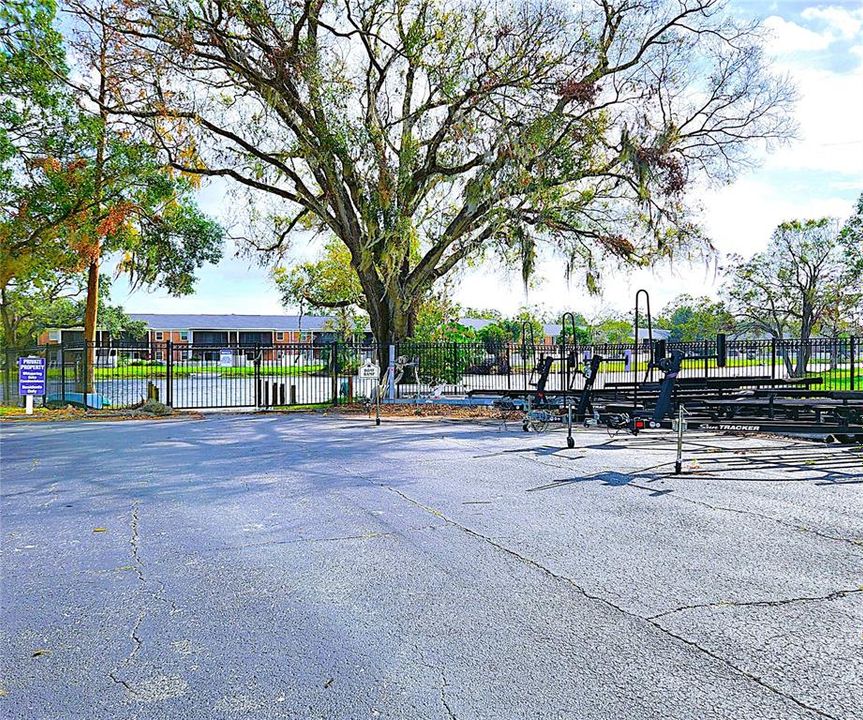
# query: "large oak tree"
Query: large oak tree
{"points": [[806, 280], [423, 133]]}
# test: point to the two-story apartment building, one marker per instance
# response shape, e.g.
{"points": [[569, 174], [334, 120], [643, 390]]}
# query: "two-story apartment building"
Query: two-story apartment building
{"points": [[201, 336], [275, 332]]}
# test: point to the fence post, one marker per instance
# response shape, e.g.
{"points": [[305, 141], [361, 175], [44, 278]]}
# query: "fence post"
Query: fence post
{"points": [[334, 370], [391, 375], [259, 389], [86, 375], [455, 369], [169, 373], [62, 371], [852, 375], [7, 377], [773, 358]]}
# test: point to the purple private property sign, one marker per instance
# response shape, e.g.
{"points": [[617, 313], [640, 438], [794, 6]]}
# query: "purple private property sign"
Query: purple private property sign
{"points": [[31, 376]]}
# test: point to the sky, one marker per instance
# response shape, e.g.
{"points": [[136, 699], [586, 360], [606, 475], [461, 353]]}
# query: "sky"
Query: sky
{"points": [[820, 45]]}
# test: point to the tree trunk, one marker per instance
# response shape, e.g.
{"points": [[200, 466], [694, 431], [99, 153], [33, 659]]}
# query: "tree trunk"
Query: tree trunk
{"points": [[91, 313], [804, 351], [390, 317], [11, 340], [392, 322], [10, 330], [90, 320]]}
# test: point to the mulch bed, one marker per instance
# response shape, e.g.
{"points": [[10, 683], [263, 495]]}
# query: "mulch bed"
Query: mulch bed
{"points": [[72, 413], [429, 410]]}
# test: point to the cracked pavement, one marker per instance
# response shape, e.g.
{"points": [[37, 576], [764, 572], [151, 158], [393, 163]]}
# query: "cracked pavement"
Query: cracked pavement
{"points": [[299, 566]]}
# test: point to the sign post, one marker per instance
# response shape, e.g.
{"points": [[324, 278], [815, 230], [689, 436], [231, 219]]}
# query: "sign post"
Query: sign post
{"points": [[31, 379], [370, 375]]}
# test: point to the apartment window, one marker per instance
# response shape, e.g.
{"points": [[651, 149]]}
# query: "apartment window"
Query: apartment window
{"points": [[159, 335], [159, 355], [184, 335], [280, 336], [54, 336]]}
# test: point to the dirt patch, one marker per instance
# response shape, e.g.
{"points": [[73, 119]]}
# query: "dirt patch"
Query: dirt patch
{"points": [[41, 414], [429, 410]]}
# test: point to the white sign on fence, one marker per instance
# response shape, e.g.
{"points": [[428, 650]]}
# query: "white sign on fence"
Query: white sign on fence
{"points": [[368, 371], [226, 357]]}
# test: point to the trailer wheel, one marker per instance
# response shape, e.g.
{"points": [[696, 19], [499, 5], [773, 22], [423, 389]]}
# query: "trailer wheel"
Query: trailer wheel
{"points": [[570, 442]]}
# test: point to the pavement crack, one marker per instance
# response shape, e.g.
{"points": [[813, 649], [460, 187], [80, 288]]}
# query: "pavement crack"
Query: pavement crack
{"points": [[134, 539], [835, 595], [598, 598], [137, 643], [138, 564], [442, 686], [827, 536]]}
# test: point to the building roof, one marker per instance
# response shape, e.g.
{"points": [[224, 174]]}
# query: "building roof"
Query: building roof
{"points": [[658, 334], [279, 323]]}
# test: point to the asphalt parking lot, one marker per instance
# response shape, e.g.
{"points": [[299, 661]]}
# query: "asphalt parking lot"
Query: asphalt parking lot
{"points": [[310, 567]]}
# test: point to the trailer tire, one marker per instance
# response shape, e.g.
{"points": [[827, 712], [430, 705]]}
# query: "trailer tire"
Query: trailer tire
{"points": [[570, 442]]}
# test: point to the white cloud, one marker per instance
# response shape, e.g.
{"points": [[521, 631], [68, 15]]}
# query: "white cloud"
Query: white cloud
{"points": [[839, 21], [741, 217], [830, 115], [788, 37]]}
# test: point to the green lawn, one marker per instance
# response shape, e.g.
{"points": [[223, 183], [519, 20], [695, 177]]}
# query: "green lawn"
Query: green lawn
{"points": [[125, 372], [687, 364], [837, 380]]}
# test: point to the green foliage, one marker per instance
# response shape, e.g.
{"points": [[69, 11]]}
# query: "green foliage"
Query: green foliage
{"points": [[55, 300], [808, 279], [613, 329], [40, 133], [443, 362], [689, 318], [494, 336], [437, 320], [808, 276], [583, 335], [74, 189], [31, 96], [327, 285], [526, 326], [112, 318]]}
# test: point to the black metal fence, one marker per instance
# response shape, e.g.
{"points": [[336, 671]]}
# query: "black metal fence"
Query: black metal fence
{"points": [[196, 375], [461, 367]]}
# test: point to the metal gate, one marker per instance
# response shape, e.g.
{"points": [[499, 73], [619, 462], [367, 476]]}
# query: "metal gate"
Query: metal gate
{"points": [[199, 376]]}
